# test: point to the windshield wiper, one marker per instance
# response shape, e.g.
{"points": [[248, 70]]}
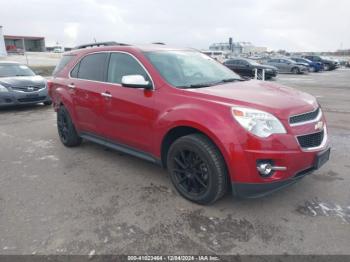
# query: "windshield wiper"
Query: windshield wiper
{"points": [[198, 85], [212, 83], [230, 80]]}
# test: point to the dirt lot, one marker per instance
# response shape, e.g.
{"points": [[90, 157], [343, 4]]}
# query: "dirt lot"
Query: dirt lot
{"points": [[55, 200]]}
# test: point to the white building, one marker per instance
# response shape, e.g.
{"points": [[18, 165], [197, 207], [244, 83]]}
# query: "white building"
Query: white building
{"points": [[237, 48], [2, 44]]}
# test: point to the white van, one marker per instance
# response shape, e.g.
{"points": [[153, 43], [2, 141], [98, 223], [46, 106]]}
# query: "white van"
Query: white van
{"points": [[217, 55]]}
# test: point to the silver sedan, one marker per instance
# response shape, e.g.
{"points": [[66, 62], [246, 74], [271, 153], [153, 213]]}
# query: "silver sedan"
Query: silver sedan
{"points": [[285, 65], [19, 85]]}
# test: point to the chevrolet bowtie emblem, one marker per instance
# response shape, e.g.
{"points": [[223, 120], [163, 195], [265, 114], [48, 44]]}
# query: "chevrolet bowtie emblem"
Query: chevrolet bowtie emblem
{"points": [[319, 125]]}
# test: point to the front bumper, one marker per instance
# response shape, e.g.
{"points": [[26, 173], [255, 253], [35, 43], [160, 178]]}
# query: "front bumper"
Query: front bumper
{"points": [[13, 98], [255, 190]]}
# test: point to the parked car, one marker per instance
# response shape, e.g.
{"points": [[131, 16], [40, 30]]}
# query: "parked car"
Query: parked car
{"points": [[58, 50], [246, 67], [285, 65], [192, 115], [12, 49], [19, 85], [328, 63], [313, 66]]}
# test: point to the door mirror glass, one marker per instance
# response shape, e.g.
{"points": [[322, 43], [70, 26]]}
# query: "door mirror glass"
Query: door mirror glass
{"points": [[136, 81]]}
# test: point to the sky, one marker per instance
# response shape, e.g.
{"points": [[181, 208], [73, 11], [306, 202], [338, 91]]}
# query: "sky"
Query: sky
{"points": [[292, 25]]}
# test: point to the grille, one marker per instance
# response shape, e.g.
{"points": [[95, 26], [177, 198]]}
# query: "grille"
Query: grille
{"points": [[31, 99], [28, 88], [311, 140], [304, 117]]}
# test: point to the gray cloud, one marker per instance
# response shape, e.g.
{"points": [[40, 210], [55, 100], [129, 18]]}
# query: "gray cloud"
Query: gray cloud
{"points": [[298, 25]]}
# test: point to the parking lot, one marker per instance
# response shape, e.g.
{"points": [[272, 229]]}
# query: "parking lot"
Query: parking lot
{"points": [[55, 200]]}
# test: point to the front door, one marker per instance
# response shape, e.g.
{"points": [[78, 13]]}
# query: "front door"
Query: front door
{"points": [[129, 112]]}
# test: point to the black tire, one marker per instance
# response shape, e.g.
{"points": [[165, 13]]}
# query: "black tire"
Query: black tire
{"points": [[326, 67], [312, 69], [48, 103], [66, 130], [295, 70], [197, 169]]}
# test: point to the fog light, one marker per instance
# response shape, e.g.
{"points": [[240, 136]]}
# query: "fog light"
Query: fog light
{"points": [[266, 168]]}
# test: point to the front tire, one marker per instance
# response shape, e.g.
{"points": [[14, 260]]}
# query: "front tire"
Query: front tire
{"points": [[66, 130], [48, 103], [197, 169]]}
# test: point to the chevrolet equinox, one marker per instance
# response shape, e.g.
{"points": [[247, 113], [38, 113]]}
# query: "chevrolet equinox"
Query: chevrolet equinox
{"points": [[212, 130]]}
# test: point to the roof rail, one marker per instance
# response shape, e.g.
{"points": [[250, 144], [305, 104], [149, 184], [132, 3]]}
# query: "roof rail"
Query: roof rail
{"points": [[110, 43], [158, 43]]}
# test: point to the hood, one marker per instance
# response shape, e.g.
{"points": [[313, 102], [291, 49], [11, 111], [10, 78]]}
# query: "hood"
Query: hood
{"points": [[20, 81], [277, 99]]}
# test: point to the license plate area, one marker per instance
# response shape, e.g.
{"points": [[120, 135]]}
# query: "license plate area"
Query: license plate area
{"points": [[322, 158], [32, 95]]}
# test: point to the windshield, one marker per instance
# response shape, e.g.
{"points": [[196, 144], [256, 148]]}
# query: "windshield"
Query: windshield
{"points": [[190, 69], [9, 70], [303, 60], [253, 62], [290, 61]]}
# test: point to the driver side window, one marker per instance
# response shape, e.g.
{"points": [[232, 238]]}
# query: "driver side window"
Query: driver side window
{"points": [[121, 64]]}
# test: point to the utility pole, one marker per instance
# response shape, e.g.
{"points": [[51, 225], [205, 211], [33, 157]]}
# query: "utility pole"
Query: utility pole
{"points": [[3, 51]]}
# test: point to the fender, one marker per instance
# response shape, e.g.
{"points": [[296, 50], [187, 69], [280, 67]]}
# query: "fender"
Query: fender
{"points": [[205, 120], [61, 96]]}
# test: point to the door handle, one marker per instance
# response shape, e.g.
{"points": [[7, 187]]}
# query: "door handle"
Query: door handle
{"points": [[71, 86], [108, 95]]}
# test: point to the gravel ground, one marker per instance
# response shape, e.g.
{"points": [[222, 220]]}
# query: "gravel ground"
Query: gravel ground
{"points": [[55, 200]]}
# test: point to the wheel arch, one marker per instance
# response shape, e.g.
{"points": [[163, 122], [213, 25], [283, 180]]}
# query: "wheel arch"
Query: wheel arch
{"points": [[62, 98], [178, 131]]}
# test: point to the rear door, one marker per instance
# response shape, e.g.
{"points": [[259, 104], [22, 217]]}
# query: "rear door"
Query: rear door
{"points": [[129, 113], [245, 68], [86, 85], [284, 65]]}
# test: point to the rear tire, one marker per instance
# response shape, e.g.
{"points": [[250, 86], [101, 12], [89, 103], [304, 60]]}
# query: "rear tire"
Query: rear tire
{"points": [[295, 70], [197, 169], [326, 67], [66, 130], [48, 103]]}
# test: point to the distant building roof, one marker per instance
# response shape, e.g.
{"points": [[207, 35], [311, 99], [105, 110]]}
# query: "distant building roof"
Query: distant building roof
{"points": [[14, 37]]}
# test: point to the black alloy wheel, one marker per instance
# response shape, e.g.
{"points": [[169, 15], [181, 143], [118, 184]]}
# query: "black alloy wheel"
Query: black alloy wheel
{"points": [[197, 169], [66, 129], [191, 172]]}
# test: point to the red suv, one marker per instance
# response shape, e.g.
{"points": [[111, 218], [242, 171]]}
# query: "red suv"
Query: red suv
{"points": [[181, 109]]}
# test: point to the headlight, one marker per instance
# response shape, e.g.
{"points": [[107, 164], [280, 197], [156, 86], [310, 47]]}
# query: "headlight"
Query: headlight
{"points": [[3, 89], [259, 123]]}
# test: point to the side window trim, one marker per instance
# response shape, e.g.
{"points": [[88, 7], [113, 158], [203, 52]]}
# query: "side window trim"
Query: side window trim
{"points": [[107, 66]]}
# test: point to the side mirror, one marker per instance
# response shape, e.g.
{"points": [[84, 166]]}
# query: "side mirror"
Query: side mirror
{"points": [[136, 81]]}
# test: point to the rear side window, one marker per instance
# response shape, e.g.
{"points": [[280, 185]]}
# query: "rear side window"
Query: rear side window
{"points": [[121, 64], [63, 62], [91, 67]]}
